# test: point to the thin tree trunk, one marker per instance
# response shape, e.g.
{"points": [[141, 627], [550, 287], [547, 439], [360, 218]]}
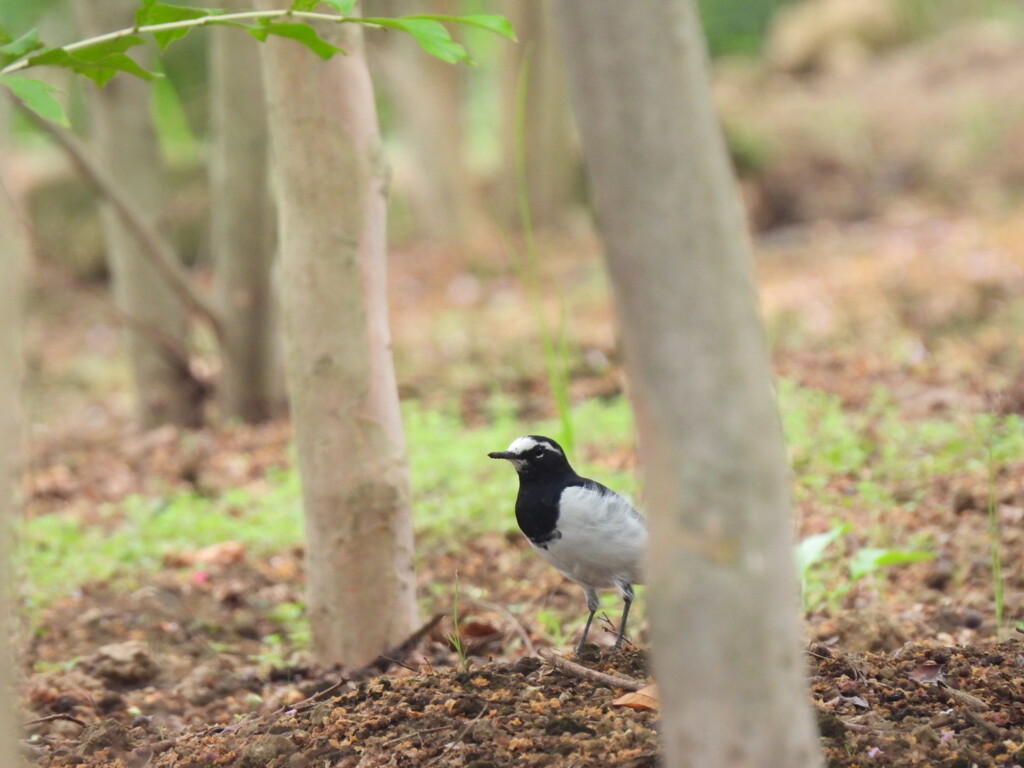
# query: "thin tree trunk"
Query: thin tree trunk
{"points": [[428, 96], [13, 261], [126, 145], [551, 157], [331, 197], [723, 584], [242, 232]]}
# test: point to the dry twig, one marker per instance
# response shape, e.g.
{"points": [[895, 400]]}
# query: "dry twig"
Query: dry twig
{"points": [[585, 673], [397, 654], [985, 724], [461, 736], [308, 702], [51, 718]]}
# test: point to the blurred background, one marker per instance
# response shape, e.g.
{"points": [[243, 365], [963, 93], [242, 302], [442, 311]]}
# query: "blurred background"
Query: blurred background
{"points": [[879, 150], [837, 112]]}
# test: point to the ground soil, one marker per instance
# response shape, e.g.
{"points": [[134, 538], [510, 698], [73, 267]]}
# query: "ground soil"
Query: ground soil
{"points": [[172, 668], [166, 676]]}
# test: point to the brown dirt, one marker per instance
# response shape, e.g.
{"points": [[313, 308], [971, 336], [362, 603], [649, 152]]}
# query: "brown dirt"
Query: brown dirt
{"points": [[176, 669], [164, 676]]}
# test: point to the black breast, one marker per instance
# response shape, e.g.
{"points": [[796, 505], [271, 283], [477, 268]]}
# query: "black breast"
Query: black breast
{"points": [[537, 511]]}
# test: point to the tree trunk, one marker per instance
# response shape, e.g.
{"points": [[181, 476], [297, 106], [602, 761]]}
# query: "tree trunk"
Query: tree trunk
{"points": [[13, 257], [126, 145], [551, 157], [428, 96], [331, 198], [242, 233], [723, 582]]}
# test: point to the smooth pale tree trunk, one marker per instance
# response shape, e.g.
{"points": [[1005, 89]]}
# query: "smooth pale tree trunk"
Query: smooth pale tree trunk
{"points": [[13, 261], [126, 145], [428, 97], [242, 231], [723, 594], [329, 175], [551, 156]]}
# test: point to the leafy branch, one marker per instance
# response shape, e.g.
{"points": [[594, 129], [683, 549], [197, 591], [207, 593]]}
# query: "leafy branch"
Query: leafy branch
{"points": [[100, 58]]}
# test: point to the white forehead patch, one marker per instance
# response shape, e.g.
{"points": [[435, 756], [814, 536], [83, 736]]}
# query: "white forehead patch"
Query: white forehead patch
{"points": [[526, 443]]}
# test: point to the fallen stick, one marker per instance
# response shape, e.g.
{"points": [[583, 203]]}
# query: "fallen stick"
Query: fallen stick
{"points": [[308, 703], [398, 653], [585, 673], [460, 737], [51, 718]]}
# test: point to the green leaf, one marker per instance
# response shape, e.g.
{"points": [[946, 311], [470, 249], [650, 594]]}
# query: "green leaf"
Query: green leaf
{"points": [[142, 14], [811, 550], [177, 141], [165, 13], [12, 50], [302, 33], [37, 96], [303, 5], [491, 22], [871, 559], [344, 7], [430, 34], [98, 62]]}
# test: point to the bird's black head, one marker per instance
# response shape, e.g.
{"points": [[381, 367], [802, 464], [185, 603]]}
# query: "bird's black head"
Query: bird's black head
{"points": [[536, 456]]}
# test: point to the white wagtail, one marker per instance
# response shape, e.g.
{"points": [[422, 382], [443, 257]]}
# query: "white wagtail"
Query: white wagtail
{"points": [[585, 530]]}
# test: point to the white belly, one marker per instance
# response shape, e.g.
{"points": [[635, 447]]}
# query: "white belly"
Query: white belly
{"points": [[602, 540]]}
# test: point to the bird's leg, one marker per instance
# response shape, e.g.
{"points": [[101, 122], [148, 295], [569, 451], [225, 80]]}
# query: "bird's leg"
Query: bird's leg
{"points": [[627, 601], [592, 604]]}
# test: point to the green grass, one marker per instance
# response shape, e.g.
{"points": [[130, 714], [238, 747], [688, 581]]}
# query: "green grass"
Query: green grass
{"points": [[58, 552], [456, 489], [866, 462], [890, 459]]}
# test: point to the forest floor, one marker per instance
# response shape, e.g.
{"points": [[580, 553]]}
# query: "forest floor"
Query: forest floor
{"points": [[196, 662]]}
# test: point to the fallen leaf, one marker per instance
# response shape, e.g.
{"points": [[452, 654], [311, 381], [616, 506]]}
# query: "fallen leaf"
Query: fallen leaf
{"points": [[929, 672], [224, 553], [857, 701], [476, 629], [645, 698]]}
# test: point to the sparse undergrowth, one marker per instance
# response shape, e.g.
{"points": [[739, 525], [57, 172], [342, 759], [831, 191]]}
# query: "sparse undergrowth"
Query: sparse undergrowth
{"points": [[898, 348], [854, 468]]}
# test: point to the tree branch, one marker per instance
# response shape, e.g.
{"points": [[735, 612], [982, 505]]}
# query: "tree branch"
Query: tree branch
{"points": [[152, 245], [585, 673], [175, 353], [202, 21]]}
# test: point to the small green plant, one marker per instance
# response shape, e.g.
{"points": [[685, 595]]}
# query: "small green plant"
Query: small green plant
{"points": [[453, 637], [994, 533], [821, 586], [809, 554], [555, 348], [292, 617], [273, 653], [868, 561], [553, 626]]}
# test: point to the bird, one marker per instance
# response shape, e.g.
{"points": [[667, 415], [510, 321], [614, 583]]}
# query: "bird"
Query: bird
{"points": [[586, 531]]}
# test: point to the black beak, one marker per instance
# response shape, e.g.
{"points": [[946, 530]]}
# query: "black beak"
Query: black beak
{"points": [[501, 455]]}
